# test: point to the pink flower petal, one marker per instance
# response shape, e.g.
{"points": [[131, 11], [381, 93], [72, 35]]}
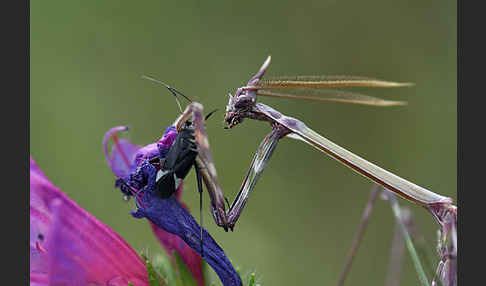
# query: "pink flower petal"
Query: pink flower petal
{"points": [[35, 168], [41, 193], [69, 245], [37, 279], [83, 250]]}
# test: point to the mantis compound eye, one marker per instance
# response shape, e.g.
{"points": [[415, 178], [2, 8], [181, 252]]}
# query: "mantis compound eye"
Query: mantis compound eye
{"points": [[244, 103]]}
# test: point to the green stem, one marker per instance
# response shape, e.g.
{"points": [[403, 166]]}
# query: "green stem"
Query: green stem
{"points": [[408, 240]]}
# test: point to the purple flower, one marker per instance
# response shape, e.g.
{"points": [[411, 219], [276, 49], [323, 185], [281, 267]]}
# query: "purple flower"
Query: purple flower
{"points": [[119, 162], [174, 226], [172, 242], [69, 246]]}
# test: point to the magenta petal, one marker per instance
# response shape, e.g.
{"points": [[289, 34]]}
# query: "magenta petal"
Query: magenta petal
{"points": [[83, 250], [41, 193], [69, 245], [37, 279], [35, 168], [123, 152], [166, 141]]}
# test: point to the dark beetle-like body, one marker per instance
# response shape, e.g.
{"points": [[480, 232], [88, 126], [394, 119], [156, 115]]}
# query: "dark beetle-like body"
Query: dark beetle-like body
{"points": [[178, 162]]}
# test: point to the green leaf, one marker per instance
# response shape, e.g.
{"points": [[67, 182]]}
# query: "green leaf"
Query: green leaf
{"points": [[164, 266], [252, 279], [154, 277]]}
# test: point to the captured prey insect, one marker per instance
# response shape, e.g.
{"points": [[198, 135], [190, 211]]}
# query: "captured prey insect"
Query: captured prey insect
{"points": [[161, 167], [191, 148], [177, 163], [243, 104], [153, 174]]}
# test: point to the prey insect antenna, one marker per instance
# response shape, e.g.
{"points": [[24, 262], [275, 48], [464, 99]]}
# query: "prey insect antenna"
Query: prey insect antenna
{"points": [[174, 91]]}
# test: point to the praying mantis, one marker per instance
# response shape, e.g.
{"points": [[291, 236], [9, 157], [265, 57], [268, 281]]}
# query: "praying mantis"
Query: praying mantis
{"points": [[243, 104]]}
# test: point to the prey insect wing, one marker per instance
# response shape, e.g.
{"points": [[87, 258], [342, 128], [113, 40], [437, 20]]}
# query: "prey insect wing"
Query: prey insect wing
{"points": [[178, 162]]}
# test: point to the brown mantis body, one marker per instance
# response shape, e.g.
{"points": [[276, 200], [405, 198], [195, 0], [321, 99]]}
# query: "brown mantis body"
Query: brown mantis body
{"points": [[243, 104]]}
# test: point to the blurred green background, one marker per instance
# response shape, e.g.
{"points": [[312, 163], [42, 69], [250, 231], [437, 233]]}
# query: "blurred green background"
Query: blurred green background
{"points": [[87, 59]]}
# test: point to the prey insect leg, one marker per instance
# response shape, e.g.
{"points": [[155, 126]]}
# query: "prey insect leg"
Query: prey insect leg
{"points": [[200, 189]]}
